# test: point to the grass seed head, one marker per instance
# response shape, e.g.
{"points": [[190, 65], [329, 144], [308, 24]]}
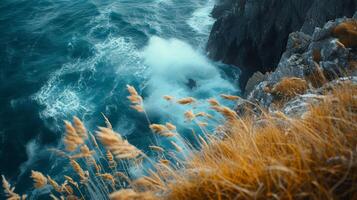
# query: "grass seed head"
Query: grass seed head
{"points": [[189, 115], [158, 128], [39, 179], [80, 128], [170, 126], [129, 194], [230, 97], [120, 148], [186, 101], [168, 98], [9, 191], [71, 139], [213, 102], [177, 147]]}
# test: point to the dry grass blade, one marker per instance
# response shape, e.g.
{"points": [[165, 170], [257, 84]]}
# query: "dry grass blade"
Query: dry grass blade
{"points": [[158, 128], [121, 175], [164, 161], [94, 141], [71, 181], [170, 126], [189, 115], [120, 148], [135, 99], [108, 177], [67, 188], [39, 179], [71, 139], [129, 194], [58, 152], [186, 101], [162, 130], [290, 87], [138, 108], [177, 147], [80, 172], [86, 151], [213, 102], [202, 124], [110, 157], [168, 98], [203, 114], [230, 97], [261, 161], [107, 122], [229, 114], [56, 198], [157, 149], [10, 191], [168, 134], [132, 90], [54, 184], [80, 128]]}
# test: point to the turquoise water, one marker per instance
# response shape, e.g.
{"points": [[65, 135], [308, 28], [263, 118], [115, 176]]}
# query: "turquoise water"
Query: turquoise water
{"points": [[61, 58]]}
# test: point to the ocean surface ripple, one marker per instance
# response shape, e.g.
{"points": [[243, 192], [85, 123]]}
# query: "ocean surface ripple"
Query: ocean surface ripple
{"points": [[62, 58]]}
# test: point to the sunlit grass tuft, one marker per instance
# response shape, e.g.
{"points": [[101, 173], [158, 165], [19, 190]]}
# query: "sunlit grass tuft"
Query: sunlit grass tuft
{"points": [[270, 156]]}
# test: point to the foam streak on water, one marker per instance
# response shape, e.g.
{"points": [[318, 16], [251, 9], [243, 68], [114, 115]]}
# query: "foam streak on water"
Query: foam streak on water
{"points": [[81, 54]]}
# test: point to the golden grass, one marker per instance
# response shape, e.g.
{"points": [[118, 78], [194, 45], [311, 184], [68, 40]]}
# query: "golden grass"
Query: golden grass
{"points": [[271, 156], [119, 147], [9, 191], [54, 184], [346, 32], [290, 87], [230, 97], [163, 130], [129, 194], [39, 179], [135, 99], [313, 157], [72, 139], [186, 101]]}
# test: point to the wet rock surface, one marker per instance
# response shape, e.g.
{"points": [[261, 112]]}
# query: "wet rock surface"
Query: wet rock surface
{"points": [[253, 34]]}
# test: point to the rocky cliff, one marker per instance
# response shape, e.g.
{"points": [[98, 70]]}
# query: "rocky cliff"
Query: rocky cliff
{"points": [[253, 34], [310, 66]]}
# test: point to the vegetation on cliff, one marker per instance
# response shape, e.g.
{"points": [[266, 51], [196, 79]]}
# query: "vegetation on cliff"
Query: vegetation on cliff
{"points": [[265, 156], [294, 138]]}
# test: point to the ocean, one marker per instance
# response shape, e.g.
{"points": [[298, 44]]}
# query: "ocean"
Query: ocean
{"points": [[61, 58]]}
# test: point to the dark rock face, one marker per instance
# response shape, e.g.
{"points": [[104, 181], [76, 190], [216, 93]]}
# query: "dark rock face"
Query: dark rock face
{"points": [[253, 34], [320, 59]]}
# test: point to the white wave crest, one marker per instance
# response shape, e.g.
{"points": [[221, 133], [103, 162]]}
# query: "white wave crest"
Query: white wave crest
{"points": [[62, 98], [178, 70], [201, 20]]}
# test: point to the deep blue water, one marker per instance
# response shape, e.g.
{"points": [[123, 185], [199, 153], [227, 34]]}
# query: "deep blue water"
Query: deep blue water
{"points": [[60, 58]]}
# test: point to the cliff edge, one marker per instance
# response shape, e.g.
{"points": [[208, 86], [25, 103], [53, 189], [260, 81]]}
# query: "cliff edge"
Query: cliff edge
{"points": [[253, 34]]}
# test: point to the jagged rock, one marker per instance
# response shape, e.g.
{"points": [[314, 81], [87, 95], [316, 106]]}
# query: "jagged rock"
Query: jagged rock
{"points": [[254, 80], [319, 59], [253, 34], [291, 64], [335, 83], [300, 105], [290, 67], [298, 43]]}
